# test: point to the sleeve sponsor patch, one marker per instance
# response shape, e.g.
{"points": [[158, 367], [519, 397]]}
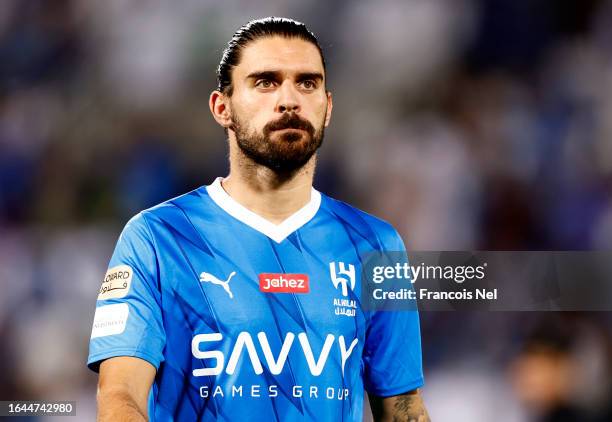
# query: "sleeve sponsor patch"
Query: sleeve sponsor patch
{"points": [[110, 320], [116, 282]]}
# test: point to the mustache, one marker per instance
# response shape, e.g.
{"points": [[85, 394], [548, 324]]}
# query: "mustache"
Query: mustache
{"points": [[289, 121]]}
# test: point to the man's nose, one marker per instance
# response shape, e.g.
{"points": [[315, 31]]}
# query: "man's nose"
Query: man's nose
{"points": [[288, 100]]}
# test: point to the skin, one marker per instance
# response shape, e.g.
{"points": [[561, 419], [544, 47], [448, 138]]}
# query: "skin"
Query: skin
{"points": [[407, 407], [271, 195], [294, 82], [123, 389]]}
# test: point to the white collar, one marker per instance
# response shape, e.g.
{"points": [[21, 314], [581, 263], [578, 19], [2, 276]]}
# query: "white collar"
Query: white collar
{"points": [[276, 232]]}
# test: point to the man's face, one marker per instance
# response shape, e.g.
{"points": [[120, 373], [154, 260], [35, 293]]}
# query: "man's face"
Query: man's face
{"points": [[279, 106]]}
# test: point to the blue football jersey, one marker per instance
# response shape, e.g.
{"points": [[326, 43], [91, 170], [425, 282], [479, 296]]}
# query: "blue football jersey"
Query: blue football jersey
{"points": [[248, 320]]}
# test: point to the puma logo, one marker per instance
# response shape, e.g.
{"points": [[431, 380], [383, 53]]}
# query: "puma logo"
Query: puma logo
{"points": [[205, 277]]}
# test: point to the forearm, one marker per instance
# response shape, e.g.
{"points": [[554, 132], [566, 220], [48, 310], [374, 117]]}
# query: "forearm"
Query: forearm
{"points": [[407, 407], [119, 406]]}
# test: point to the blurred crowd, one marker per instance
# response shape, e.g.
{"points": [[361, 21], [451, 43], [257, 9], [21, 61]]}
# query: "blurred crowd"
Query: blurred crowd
{"points": [[467, 124]]}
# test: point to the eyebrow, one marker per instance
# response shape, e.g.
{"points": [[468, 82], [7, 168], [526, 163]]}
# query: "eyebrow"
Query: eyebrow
{"points": [[276, 75]]}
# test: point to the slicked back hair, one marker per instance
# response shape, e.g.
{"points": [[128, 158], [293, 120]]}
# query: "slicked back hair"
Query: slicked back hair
{"points": [[252, 31]]}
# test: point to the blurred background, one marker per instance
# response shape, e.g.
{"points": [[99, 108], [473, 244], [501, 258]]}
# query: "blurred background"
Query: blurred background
{"points": [[467, 124]]}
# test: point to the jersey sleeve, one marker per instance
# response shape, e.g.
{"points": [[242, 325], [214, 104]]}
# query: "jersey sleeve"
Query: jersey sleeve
{"points": [[392, 352], [128, 318]]}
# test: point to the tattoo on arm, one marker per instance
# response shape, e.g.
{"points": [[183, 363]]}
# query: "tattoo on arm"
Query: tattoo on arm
{"points": [[409, 408]]}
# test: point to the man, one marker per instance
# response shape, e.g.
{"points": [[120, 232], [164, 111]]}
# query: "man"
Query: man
{"points": [[240, 300]]}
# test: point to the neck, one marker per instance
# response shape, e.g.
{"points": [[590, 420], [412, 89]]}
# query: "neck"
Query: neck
{"points": [[265, 192]]}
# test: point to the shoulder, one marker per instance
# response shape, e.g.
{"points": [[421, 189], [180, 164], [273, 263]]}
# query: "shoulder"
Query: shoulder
{"points": [[145, 236], [174, 209], [180, 202], [168, 213], [362, 221]]}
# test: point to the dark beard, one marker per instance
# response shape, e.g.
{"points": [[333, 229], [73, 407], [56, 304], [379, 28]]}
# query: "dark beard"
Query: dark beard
{"points": [[288, 152]]}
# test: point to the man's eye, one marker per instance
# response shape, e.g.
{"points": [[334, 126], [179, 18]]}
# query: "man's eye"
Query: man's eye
{"points": [[308, 84], [264, 83]]}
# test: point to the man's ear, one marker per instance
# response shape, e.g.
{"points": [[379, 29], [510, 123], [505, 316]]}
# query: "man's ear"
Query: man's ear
{"points": [[219, 107], [330, 105]]}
